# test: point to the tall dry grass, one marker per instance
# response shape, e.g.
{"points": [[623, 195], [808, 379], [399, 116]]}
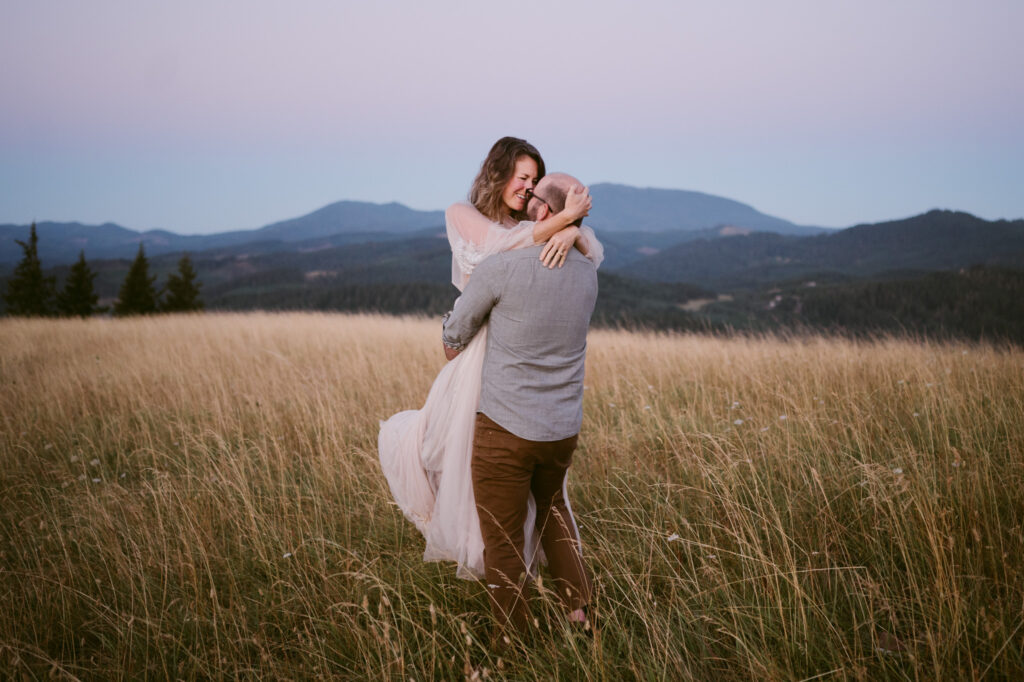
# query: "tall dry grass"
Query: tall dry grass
{"points": [[198, 497]]}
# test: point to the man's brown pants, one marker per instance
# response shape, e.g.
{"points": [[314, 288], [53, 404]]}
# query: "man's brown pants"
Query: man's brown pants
{"points": [[506, 469]]}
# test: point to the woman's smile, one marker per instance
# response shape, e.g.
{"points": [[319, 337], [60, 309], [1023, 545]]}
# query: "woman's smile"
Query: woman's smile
{"points": [[524, 178]]}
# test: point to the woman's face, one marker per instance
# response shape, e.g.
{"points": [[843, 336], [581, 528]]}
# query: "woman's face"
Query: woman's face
{"points": [[524, 178]]}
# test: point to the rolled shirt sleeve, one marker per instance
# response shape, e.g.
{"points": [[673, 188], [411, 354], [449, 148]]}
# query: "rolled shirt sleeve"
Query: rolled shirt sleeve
{"points": [[472, 308]]}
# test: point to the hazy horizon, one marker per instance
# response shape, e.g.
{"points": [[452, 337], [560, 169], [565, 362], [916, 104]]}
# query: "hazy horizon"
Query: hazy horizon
{"points": [[199, 118], [441, 209]]}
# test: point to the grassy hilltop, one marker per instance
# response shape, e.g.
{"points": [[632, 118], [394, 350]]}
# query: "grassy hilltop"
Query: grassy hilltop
{"points": [[199, 497]]}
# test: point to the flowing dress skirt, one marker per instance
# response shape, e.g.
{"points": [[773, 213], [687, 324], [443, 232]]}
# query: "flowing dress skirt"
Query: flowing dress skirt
{"points": [[425, 455]]}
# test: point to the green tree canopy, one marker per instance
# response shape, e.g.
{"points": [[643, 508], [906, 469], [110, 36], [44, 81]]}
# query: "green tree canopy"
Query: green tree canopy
{"points": [[182, 289], [137, 295], [78, 296], [28, 292]]}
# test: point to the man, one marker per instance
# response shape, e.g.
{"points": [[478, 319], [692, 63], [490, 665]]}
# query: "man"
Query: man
{"points": [[531, 406]]}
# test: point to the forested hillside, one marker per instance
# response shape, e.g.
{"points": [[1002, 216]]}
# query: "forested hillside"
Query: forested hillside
{"points": [[938, 240], [897, 277]]}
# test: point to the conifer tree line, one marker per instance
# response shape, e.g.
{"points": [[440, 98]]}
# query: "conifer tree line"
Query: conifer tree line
{"points": [[30, 294]]}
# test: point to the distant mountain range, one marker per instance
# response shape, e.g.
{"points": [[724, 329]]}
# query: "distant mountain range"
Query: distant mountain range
{"points": [[669, 236], [621, 208], [674, 260], [937, 240], [647, 218], [341, 222]]}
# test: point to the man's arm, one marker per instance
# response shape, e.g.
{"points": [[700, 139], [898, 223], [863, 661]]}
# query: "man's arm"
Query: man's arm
{"points": [[471, 309], [577, 206]]}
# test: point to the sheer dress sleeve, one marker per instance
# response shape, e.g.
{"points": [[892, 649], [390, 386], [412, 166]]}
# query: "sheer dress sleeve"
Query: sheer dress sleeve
{"points": [[595, 250], [473, 237]]}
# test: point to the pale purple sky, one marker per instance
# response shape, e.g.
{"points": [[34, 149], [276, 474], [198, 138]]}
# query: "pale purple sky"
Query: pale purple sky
{"points": [[208, 116]]}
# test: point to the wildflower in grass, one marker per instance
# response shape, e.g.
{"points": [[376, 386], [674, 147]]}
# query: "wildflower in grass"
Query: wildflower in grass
{"points": [[74, 458], [734, 405], [917, 414], [94, 463], [674, 537], [901, 382], [647, 407], [287, 555], [738, 422], [783, 417], [81, 477], [898, 471], [764, 428], [48, 446], [96, 480], [611, 404], [122, 475]]}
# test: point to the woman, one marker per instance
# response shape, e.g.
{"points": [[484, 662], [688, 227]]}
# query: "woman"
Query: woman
{"points": [[425, 454]]}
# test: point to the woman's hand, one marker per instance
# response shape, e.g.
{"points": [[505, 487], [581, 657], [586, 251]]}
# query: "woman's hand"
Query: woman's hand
{"points": [[557, 248], [577, 202], [577, 205]]}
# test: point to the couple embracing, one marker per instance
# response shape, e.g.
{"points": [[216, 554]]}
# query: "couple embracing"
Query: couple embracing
{"points": [[480, 469]]}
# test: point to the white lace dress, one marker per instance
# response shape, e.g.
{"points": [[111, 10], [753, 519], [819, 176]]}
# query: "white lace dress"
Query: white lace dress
{"points": [[425, 454]]}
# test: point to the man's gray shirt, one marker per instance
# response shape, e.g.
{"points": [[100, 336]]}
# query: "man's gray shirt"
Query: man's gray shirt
{"points": [[536, 340]]}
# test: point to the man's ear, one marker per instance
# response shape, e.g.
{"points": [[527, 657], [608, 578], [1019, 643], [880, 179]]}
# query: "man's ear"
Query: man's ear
{"points": [[544, 212]]}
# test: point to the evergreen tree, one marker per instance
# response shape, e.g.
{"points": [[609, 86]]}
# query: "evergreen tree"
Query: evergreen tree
{"points": [[78, 296], [28, 292], [137, 295], [182, 289]]}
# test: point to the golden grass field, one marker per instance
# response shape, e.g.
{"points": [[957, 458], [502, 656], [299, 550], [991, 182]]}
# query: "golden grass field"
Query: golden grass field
{"points": [[198, 497]]}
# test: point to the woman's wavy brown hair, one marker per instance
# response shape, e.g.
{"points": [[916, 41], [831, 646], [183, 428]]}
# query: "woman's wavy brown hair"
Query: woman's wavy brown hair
{"points": [[496, 171]]}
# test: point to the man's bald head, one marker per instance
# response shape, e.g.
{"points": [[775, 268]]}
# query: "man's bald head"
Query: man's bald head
{"points": [[552, 190]]}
